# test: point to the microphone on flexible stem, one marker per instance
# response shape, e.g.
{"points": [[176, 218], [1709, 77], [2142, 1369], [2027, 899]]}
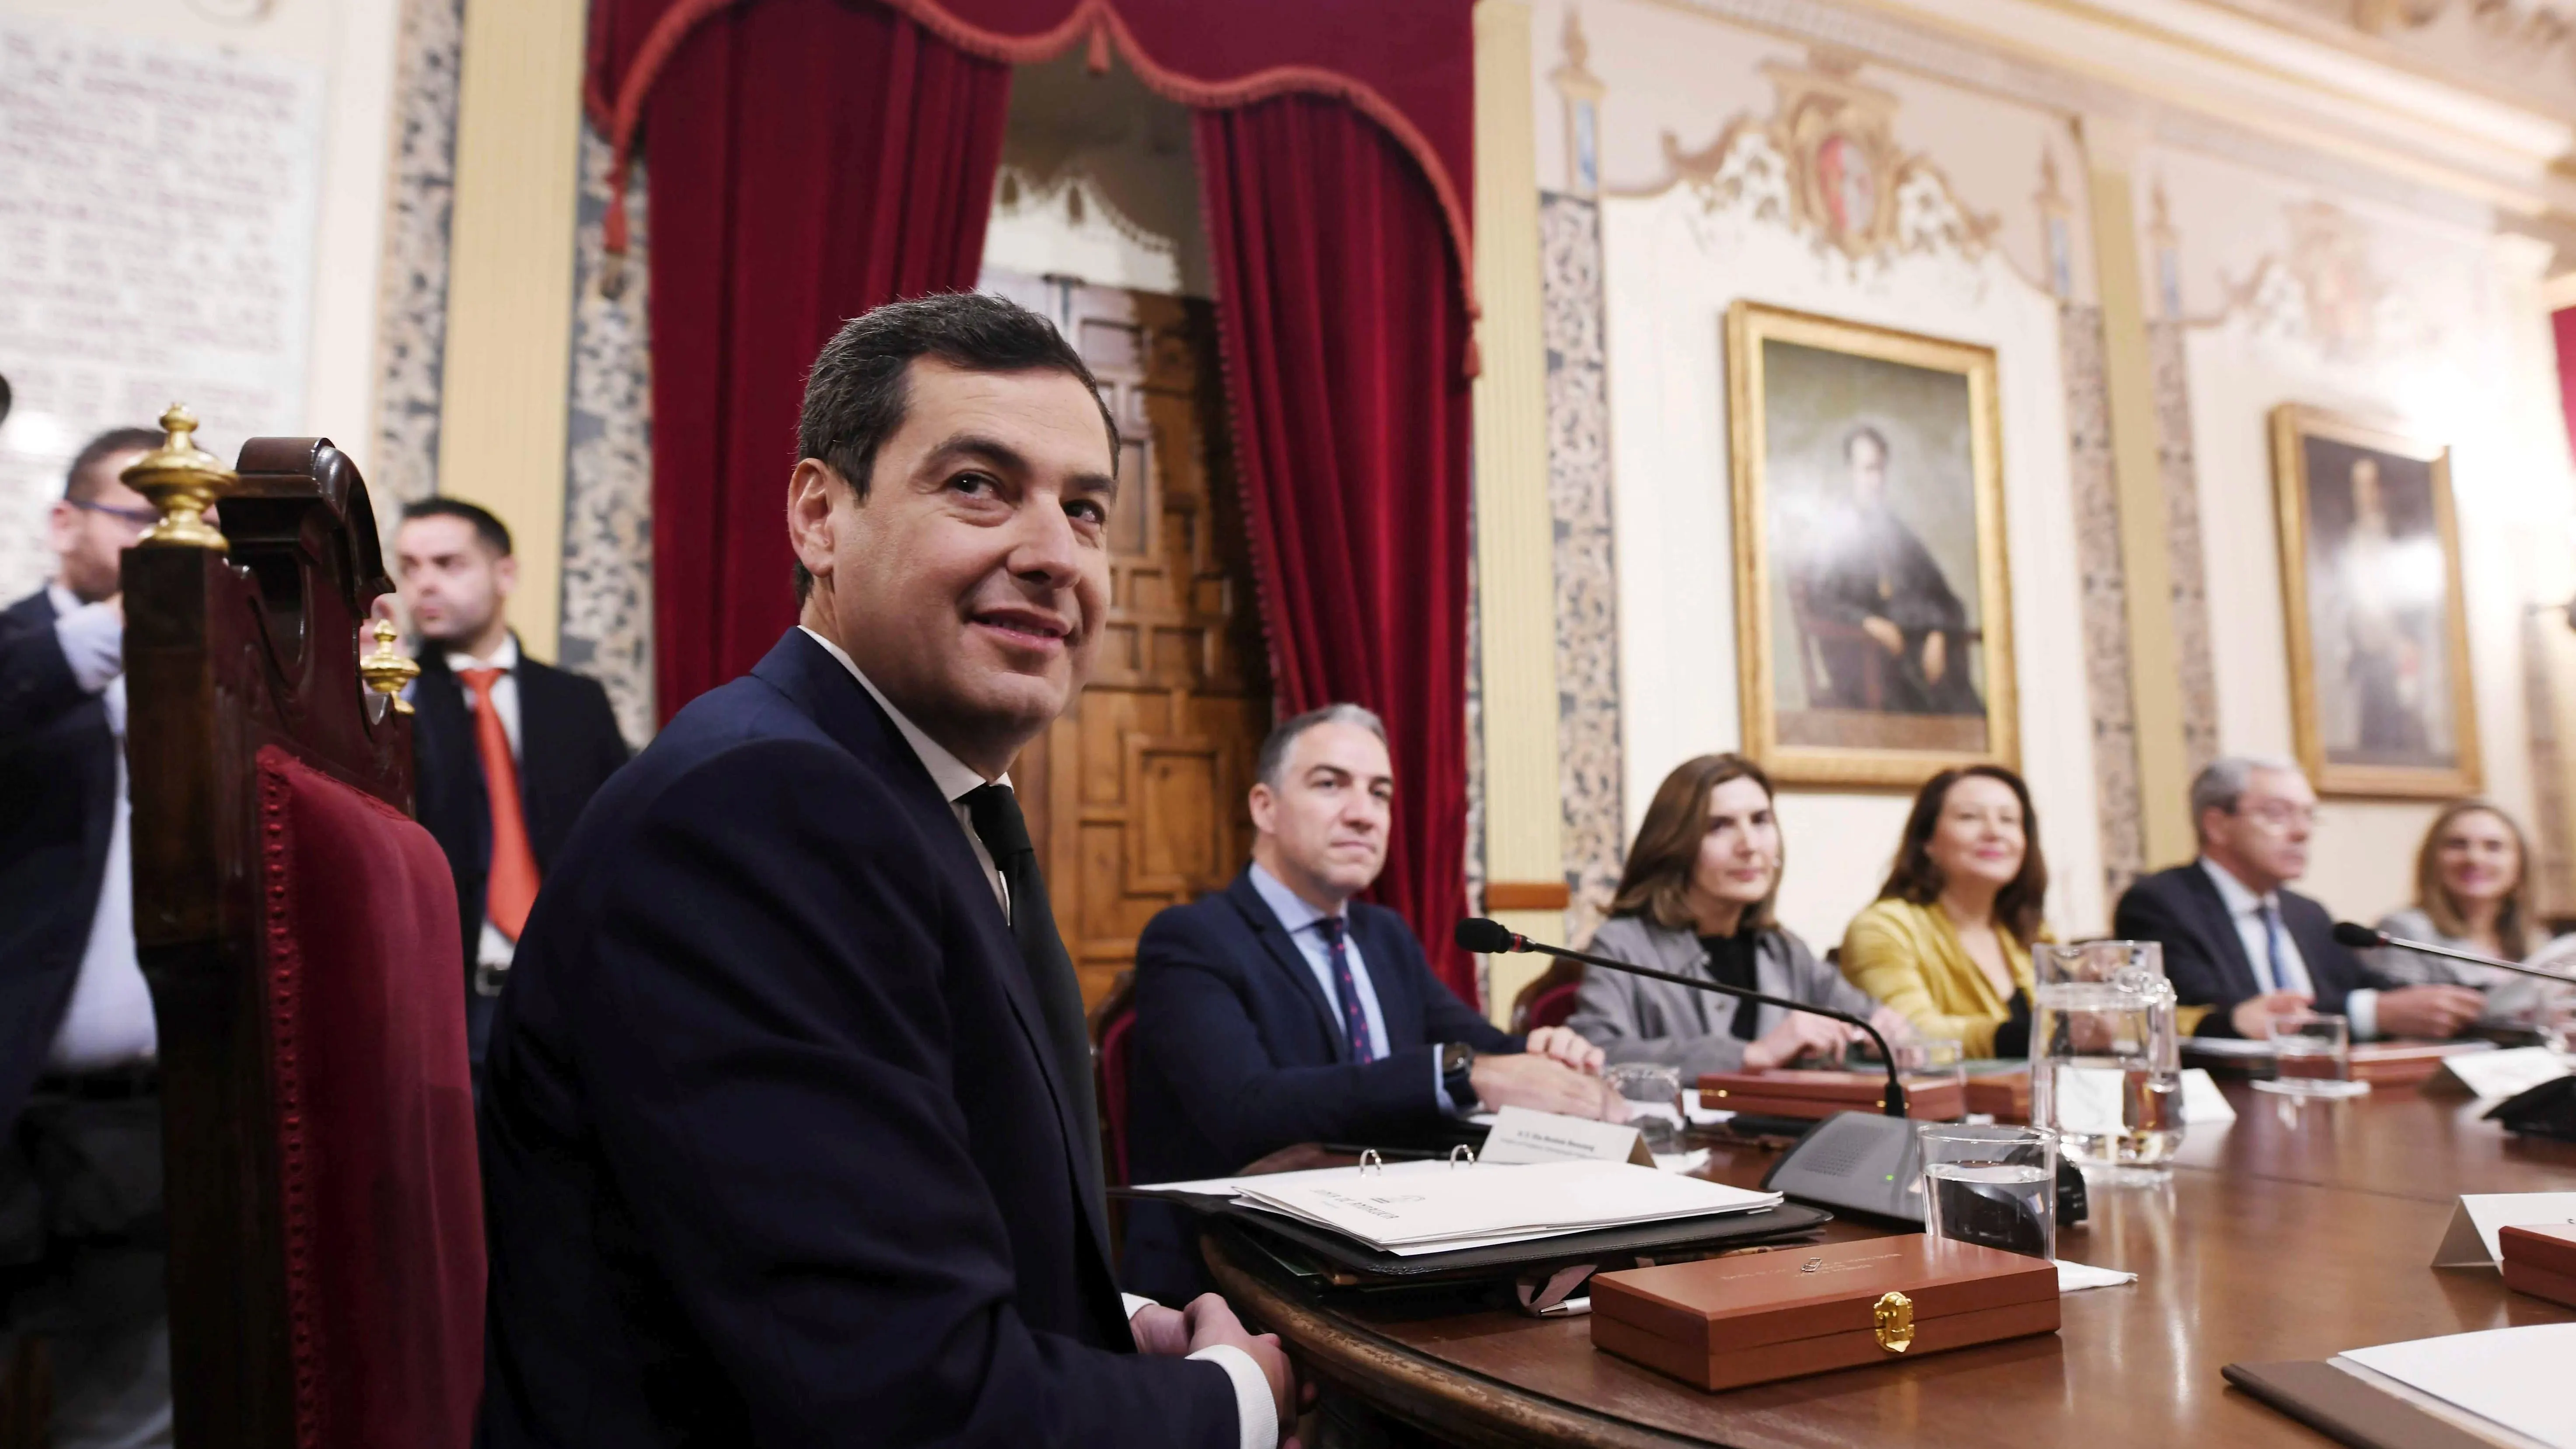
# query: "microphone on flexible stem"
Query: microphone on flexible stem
{"points": [[2362, 938], [1493, 938]]}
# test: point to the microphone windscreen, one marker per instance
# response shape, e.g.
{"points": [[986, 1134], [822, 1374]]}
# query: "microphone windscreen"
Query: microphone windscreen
{"points": [[2358, 936], [1486, 938]]}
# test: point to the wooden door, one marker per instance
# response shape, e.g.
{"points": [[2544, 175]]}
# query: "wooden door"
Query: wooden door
{"points": [[1136, 796]]}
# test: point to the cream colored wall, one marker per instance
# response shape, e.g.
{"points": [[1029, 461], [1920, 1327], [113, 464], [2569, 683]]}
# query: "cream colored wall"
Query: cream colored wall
{"points": [[352, 43], [2451, 344]]}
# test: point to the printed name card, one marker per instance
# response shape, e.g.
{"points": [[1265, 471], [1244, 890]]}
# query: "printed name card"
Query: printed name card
{"points": [[2470, 1240], [2504, 1073], [1520, 1135]]}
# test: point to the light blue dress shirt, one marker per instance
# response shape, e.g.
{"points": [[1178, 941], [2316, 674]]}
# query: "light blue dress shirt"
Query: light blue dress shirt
{"points": [[1299, 919]]}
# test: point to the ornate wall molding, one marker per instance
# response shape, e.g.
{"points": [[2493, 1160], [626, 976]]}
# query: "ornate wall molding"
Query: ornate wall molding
{"points": [[1587, 611], [607, 628], [1066, 224], [411, 297], [2121, 821], [2199, 681]]}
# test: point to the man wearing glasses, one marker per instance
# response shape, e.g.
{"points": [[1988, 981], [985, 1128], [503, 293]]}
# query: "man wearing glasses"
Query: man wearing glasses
{"points": [[2237, 940], [80, 1170]]}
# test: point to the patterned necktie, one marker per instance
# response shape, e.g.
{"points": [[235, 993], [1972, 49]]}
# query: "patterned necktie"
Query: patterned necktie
{"points": [[1345, 987], [995, 814], [510, 885], [2280, 976]]}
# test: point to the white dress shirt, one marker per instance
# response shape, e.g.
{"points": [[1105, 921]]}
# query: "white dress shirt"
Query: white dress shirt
{"points": [[955, 779], [2361, 1005], [108, 1022], [494, 948]]}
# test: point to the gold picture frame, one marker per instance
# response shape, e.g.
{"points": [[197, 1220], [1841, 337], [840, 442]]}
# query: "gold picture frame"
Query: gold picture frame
{"points": [[1828, 568], [2382, 703]]}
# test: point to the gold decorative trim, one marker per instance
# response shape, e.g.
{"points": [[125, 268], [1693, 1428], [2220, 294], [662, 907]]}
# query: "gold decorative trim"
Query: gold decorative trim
{"points": [[183, 481]]}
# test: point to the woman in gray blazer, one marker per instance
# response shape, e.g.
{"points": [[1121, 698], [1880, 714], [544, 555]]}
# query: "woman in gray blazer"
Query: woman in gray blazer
{"points": [[1696, 899]]}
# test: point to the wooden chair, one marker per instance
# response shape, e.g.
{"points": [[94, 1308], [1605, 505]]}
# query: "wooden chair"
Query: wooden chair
{"points": [[299, 932], [1549, 1000]]}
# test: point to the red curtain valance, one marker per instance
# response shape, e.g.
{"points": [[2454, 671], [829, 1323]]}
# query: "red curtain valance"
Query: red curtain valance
{"points": [[1399, 62]]}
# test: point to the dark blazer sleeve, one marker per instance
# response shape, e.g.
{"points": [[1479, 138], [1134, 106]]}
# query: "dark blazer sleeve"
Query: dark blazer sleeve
{"points": [[1195, 1026], [767, 1066], [37, 686], [2156, 909], [1445, 1018]]}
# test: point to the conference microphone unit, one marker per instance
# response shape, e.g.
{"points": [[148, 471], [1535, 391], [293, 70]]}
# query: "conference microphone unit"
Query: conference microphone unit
{"points": [[1868, 1162], [2362, 938]]}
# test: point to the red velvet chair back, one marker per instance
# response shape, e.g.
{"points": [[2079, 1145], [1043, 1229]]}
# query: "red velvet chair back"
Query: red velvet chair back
{"points": [[1548, 1000], [1112, 1023], [299, 932]]}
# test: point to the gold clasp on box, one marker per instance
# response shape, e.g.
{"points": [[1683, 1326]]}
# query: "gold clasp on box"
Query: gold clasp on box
{"points": [[1895, 1316]]}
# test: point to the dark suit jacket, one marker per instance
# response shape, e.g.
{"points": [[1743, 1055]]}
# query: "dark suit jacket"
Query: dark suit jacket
{"points": [[2205, 958], [568, 746], [774, 1149], [57, 808], [1237, 1052]]}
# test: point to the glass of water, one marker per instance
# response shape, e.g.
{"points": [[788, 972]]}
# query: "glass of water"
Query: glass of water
{"points": [[2312, 1057], [1992, 1186], [2106, 1060], [1654, 1096]]}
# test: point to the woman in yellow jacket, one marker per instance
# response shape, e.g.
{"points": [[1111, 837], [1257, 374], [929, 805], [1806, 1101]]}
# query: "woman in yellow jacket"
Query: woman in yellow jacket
{"points": [[1947, 943]]}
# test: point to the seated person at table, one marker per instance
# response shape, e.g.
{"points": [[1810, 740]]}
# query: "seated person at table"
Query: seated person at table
{"points": [[2238, 942], [1947, 943], [2469, 896], [1280, 1010], [1696, 899]]}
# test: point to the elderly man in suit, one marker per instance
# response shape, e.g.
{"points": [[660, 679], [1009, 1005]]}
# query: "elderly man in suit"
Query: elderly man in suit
{"points": [[509, 748], [1282, 1010], [80, 1171], [2239, 941], [787, 1123]]}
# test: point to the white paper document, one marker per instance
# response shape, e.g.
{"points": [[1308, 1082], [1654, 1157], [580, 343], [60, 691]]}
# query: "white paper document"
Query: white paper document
{"points": [[1232, 1187], [2504, 1073], [2513, 1377], [1433, 1212], [2201, 1099], [2076, 1277], [2471, 1242]]}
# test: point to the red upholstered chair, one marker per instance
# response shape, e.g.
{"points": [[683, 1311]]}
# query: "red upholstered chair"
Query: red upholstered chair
{"points": [[1549, 1000], [299, 932], [1112, 1022]]}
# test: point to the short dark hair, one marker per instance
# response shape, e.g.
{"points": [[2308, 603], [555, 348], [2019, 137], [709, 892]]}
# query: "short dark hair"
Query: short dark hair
{"points": [[1270, 764], [494, 533], [83, 480], [857, 392], [2021, 905]]}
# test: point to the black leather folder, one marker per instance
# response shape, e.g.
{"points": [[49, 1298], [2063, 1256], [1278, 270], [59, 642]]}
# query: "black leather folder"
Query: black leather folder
{"points": [[2347, 1409], [1346, 1262]]}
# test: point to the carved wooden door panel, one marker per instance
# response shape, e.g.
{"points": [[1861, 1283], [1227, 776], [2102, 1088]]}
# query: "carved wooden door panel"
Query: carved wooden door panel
{"points": [[1136, 797]]}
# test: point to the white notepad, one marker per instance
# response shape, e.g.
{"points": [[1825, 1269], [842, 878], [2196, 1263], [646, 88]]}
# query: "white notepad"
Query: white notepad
{"points": [[2515, 1377], [1439, 1211]]}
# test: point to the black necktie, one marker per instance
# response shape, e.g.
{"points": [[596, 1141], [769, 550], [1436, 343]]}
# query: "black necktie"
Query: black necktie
{"points": [[995, 814]]}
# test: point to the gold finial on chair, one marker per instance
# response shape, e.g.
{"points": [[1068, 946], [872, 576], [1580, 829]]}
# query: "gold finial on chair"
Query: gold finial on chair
{"points": [[183, 481], [384, 668]]}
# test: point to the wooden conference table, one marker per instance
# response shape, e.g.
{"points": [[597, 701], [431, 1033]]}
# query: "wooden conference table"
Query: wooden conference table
{"points": [[2295, 1232]]}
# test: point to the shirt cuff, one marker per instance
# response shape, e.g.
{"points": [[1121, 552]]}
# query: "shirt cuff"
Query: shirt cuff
{"points": [[1136, 1303], [1440, 1090], [2362, 1009], [1252, 1401], [93, 643]]}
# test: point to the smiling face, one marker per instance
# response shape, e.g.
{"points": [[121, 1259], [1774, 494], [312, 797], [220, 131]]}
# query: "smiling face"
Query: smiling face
{"points": [[1323, 826], [2478, 858], [1980, 835], [971, 582], [1739, 857]]}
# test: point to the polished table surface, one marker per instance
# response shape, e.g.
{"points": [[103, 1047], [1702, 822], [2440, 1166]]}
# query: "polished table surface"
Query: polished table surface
{"points": [[2295, 1232]]}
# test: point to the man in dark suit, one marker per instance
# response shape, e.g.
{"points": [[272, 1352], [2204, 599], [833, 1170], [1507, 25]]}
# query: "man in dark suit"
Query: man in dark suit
{"points": [[81, 1241], [787, 1123], [1282, 1010], [2239, 941], [486, 712]]}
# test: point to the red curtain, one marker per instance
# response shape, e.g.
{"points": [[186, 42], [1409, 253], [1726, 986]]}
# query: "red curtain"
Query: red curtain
{"points": [[809, 159], [1344, 336]]}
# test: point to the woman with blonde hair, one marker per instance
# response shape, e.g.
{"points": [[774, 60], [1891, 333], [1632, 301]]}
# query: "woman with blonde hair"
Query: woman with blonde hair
{"points": [[1947, 942], [1696, 899], [2470, 875]]}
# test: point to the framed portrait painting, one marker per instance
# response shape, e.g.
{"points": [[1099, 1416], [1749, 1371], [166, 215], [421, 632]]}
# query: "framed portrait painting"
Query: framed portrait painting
{"points": [[2380, 701], [1873, 612]]}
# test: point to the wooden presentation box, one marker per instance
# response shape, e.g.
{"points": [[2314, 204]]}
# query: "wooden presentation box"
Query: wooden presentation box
{"points": [[2004, 1096], [1789, 1093], [2401, 1064], [1723, 1323], [2541, 1260]]}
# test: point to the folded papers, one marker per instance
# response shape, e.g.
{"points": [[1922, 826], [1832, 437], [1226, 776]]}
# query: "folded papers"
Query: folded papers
{"points": [[1443, 1210]]}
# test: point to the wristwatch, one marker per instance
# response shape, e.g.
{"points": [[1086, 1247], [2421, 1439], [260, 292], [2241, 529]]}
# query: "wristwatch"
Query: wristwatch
{"points": [[1457, 1075]]}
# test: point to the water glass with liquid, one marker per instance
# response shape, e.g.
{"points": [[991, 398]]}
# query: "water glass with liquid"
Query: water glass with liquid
{"points": [[1654, 1096], [2105, 1058], [1992, 1186], [2312, 1057]]}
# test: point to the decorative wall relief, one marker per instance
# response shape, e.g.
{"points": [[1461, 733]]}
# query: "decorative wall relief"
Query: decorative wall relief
{"points": [[2188, 562], [1066, 224], [607, 629], [2105, 599], [1581, 92], [1587, 618], [411, 297], [1833, 167]]}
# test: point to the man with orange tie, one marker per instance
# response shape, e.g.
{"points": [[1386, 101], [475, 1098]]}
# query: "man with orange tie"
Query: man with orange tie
{"points": [[508, 750]]}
